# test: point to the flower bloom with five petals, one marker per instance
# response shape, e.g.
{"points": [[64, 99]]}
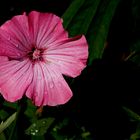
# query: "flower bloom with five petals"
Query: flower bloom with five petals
{"points": [[35, 53]]}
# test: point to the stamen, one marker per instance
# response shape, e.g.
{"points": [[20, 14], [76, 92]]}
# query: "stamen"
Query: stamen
{"points": [[35, 54]]}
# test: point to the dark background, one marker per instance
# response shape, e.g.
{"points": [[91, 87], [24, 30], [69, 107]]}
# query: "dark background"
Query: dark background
{"points": [[103, 88]]}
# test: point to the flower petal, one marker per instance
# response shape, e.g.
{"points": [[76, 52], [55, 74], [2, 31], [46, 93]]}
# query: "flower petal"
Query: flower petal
{"points": [[70, 55], [14, 36], [10, 46], [15, 77], [45, 28], [48, 86]]}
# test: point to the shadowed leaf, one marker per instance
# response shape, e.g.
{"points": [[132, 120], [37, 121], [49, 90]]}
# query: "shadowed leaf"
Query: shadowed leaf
{"points": [[39, 127], [71, 11], [82, 19], [5, 124], [132, 114], [99, 28]]}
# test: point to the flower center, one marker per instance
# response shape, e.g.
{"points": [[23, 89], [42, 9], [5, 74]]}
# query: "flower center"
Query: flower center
{"points": [[35, 54]]}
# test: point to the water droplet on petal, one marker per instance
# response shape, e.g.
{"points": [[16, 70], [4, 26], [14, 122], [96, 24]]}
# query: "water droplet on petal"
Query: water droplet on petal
{"points": [[59, 61], [59, 84], [39, 77], [17, 45], [51, 85], [9, 38], [45, 92], [36, 93], [18, 54]]}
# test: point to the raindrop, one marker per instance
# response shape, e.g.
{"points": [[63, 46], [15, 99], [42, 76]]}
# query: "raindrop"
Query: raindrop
{"points": [[59, 84], [34, 124], [59, 61], [31, 130], [33, 133], [18, 54], [54, 129], [39, 77], [36, 130], [46, 92], [51, 85], [36, 94], [17, 45], [9, 38]]}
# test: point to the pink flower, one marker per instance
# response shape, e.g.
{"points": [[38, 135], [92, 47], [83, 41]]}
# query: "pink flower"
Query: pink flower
{"points": [[35, 52]]}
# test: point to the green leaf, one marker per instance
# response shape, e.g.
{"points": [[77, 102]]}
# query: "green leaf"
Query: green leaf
{"points": [[2, 136], [92, 18], [71, 11], [81, 19], [31, 109], [3, 114], [55, 131], [39, 127], [99, 29], [136, 135], [37, 138], [135, 117], [132, 114], [13, 129], [11, 105], [135, 52], [5, 124], [135, 9]]}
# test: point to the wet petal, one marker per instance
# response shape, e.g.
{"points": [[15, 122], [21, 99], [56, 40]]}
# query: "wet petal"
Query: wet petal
{"points": [[50, 89], [18, 29], [10, 46], [69, 55], [15, 77], [40, 79], [45, 28], [36, 89]]}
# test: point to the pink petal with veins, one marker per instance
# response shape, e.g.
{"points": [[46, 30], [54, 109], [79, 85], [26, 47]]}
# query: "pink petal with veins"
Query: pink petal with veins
{"points": [[70, 55], [14, 82], [48, 86], [17, 30], [35, 52], [45, 27]]}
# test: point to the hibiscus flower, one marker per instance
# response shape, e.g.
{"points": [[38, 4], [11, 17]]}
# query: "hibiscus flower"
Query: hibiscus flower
{"points": [[35, 53]]}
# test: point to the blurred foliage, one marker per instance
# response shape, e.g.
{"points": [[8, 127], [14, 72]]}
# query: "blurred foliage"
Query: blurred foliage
{"points": [[134, 117], [135, 52], [93, 18], [135, 44]]}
